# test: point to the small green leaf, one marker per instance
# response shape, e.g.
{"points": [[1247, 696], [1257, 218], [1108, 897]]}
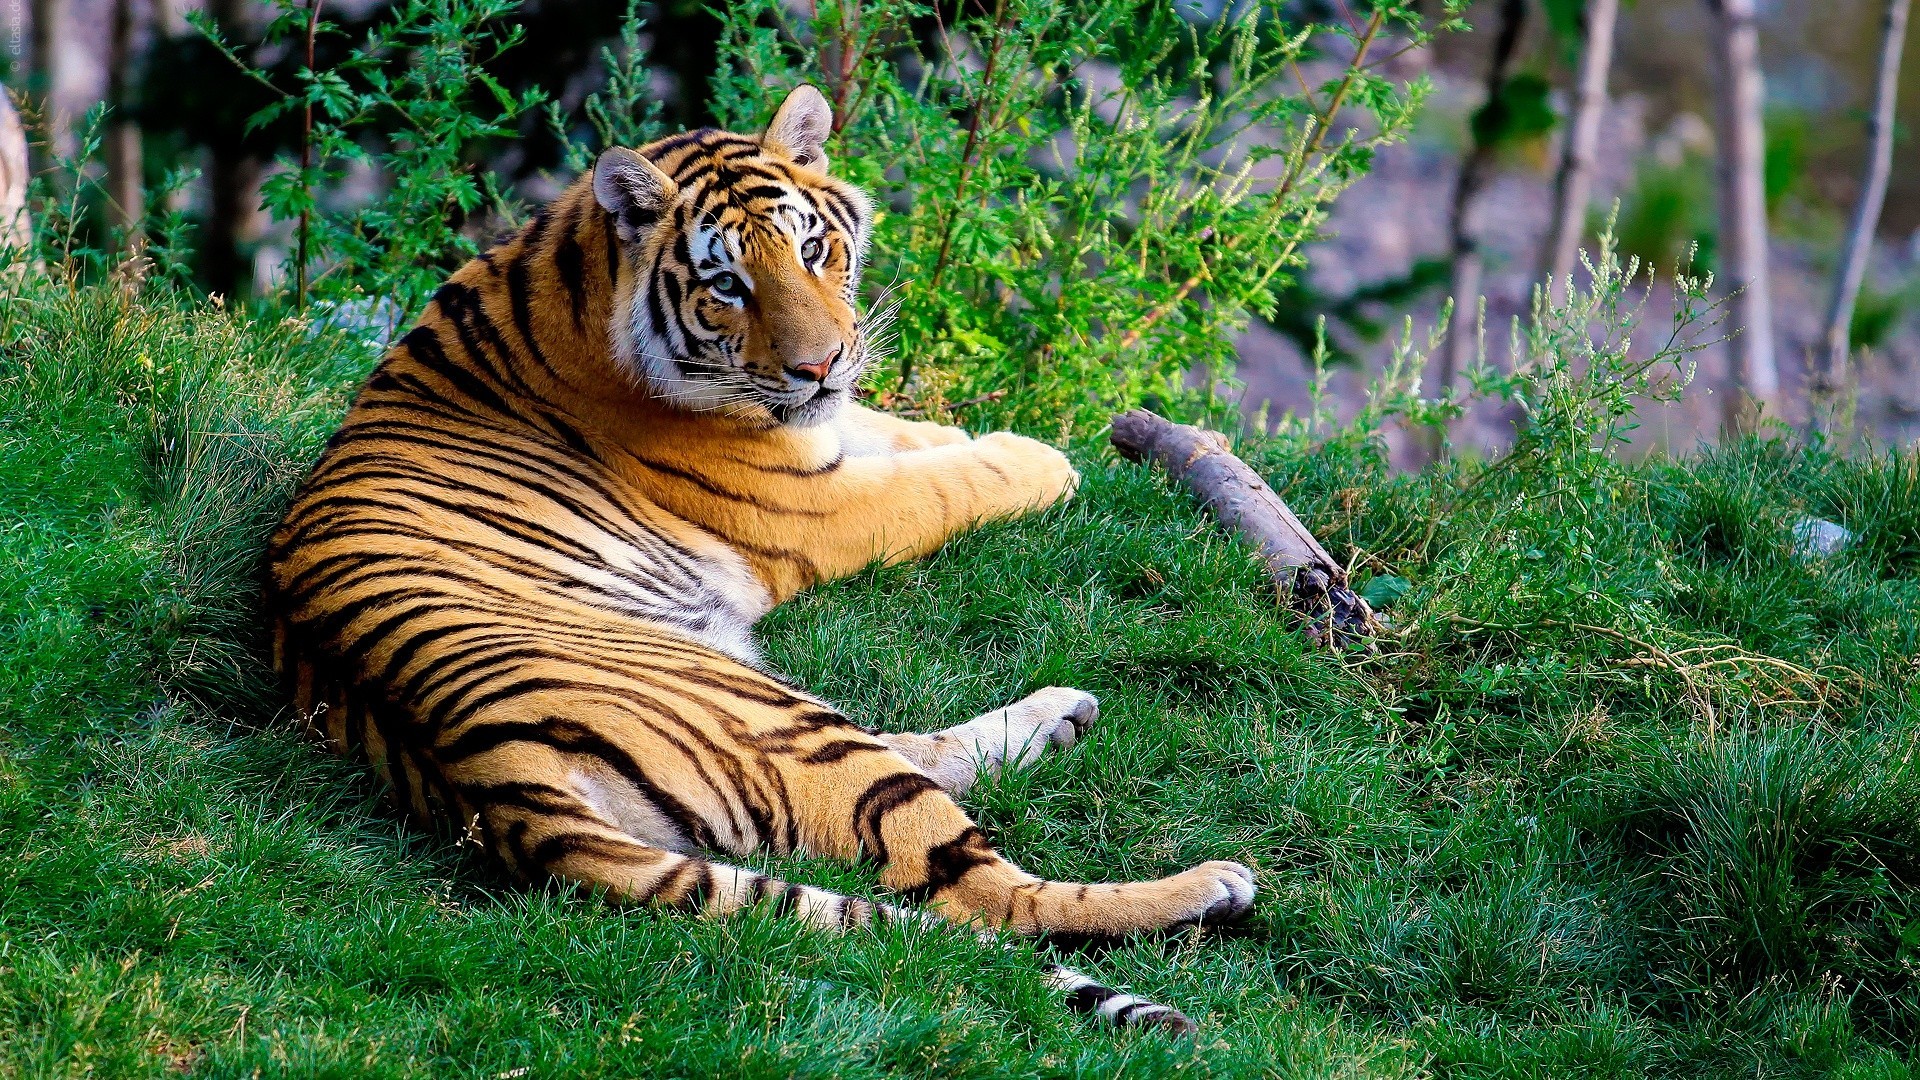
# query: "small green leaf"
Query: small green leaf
{"points": [[1384, 590]]}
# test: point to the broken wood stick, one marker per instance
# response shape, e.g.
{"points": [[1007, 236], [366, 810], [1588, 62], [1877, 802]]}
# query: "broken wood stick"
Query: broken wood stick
{"points": [[1306, 576]]}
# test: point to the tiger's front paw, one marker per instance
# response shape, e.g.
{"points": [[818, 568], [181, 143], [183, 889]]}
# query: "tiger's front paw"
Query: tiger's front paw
{"points": [[1054, 717], [1036, 475]]}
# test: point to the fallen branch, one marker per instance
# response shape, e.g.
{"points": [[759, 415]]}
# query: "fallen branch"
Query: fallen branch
{"points": [[1306, 576]]}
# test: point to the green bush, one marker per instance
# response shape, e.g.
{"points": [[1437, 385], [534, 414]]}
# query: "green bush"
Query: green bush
{"points": [[1082, 200], [1667, 218], [414, 102]]}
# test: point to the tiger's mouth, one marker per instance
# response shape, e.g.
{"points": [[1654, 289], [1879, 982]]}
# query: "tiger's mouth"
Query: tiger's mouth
{"points": [[815, 409]]}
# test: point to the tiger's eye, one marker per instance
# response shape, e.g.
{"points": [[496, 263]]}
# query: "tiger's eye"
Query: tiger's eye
{"points": [[728, 285], [810, 250]]}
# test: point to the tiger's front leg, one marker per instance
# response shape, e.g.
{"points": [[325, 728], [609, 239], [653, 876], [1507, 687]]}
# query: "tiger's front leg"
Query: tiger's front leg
{"points": [[1013, 737], [953, 488], [855, 511]]}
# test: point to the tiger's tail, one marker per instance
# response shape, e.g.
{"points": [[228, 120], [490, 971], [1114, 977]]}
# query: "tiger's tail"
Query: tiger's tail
{"points": [[1113, 1006]]}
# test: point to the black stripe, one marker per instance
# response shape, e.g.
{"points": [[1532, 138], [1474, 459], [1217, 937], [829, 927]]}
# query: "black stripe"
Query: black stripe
{"points": [[781, 739], [569, 435], [423, 345], [949, 862], [465, 308], [839, 459], [882, 797], [519, 297], [576, 738], [696, 898], [614, 848], [667, 883], [537, 227], [1089, 997], [571, 262], [613, 245], [714, 489], [840, 750], [656, 313]]}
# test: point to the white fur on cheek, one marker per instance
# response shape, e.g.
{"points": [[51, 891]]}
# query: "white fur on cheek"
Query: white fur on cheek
{"points": [[647, 352]]}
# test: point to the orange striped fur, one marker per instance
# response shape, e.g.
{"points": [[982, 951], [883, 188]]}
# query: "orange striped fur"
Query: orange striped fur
{"points": [[522, 577]]}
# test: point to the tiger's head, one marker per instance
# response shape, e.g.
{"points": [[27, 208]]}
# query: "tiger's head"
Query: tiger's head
{"points": [[742, 265]]}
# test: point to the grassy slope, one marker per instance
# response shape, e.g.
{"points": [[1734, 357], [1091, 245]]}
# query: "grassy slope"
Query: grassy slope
{"points": [[1505, 845]]}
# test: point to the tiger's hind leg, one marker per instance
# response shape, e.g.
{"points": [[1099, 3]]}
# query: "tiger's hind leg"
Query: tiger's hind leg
{"points": [[554, 830], [546, 822], [1013, 737]]}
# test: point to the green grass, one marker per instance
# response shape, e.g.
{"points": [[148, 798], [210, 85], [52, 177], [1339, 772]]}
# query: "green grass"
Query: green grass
{"points": [[1531, 836]]}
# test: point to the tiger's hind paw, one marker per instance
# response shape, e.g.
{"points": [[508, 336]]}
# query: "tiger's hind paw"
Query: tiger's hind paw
{"points": [[1212, 894]]}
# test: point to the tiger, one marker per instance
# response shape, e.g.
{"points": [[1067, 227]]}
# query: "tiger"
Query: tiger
{"points": [[521, 579]]}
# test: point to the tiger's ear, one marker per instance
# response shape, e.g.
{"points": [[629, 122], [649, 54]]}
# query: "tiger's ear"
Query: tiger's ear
{"points": [[632, 189], [801, 126]]}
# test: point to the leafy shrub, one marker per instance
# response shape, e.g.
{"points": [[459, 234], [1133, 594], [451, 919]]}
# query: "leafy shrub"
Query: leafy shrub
{"points": [[1519, 114], [71, 233], [1667, 217], [412, 102], [1879, 312], [1083, 200], [623, 113]]}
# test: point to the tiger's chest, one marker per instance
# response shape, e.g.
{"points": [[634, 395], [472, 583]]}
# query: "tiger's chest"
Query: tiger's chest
{"points": [[720, 608], [672, 573]]}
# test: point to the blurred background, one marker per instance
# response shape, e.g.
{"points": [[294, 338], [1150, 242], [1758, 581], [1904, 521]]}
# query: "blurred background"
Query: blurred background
{"points": [[177, 100]]}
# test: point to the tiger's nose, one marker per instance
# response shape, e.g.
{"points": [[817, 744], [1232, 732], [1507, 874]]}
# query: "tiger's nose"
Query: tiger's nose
{"points": [[815, 372]]}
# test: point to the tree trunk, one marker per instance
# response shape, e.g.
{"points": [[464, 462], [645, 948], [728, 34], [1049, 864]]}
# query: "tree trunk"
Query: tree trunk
{"points": [[1743, 213], [43, 75], [1464, 246], [233, 181], [1573, 186], [16, 229], [126, 187], [1830, 370]]}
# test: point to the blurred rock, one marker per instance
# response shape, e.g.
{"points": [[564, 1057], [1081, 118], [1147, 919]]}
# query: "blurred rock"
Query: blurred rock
{"points": [[1818, 538]]}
